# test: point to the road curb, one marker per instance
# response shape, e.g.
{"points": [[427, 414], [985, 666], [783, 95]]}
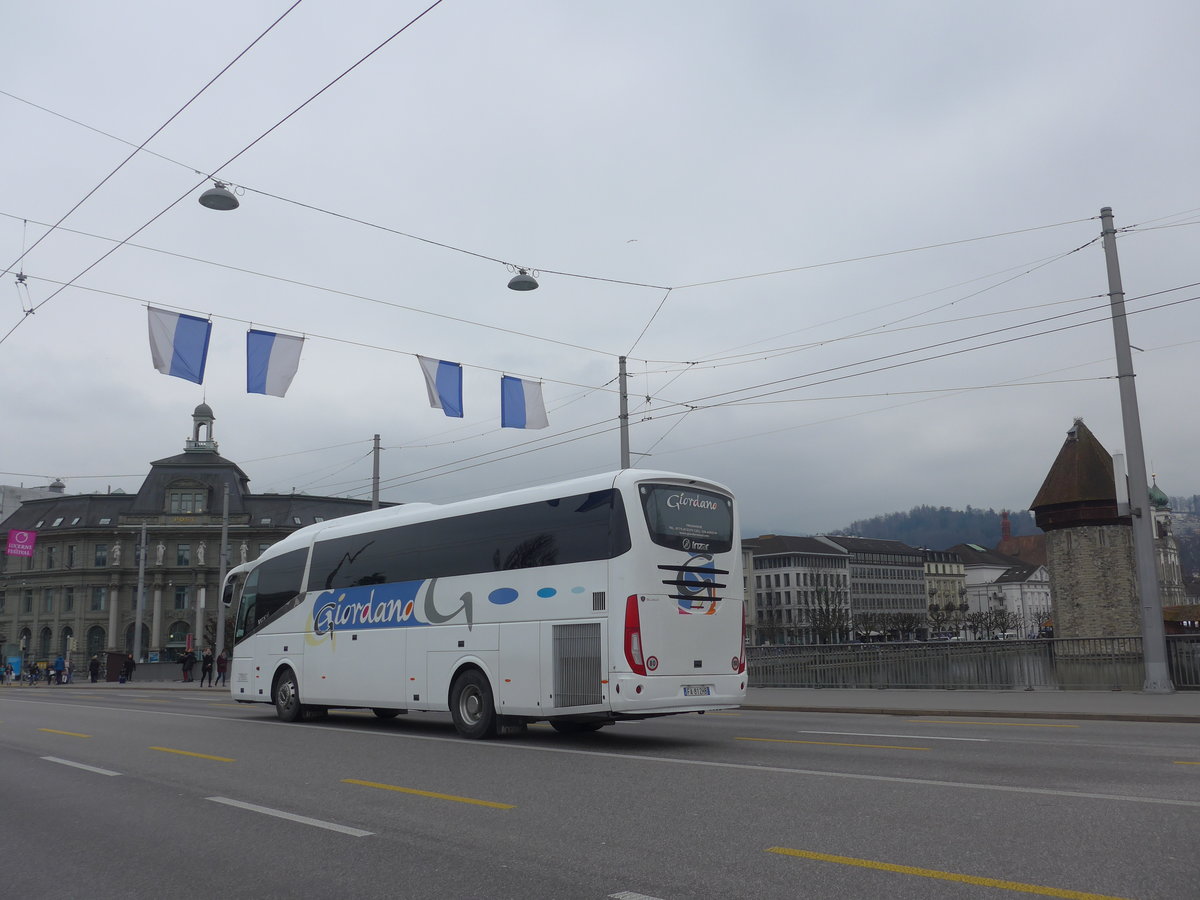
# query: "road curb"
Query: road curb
{"points": [[990, 713]]}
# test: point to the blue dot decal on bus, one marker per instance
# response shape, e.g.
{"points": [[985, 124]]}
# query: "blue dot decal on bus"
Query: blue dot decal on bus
{"points": [[578, 589], [546, 592], [501, 596]]}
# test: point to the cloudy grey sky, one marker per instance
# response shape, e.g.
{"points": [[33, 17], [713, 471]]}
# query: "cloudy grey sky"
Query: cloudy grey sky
{"points": [[851, 250]]}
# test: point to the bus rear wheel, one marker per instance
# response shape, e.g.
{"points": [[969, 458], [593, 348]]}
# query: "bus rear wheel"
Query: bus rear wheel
{"points": [[471, 705], [287, 697]]}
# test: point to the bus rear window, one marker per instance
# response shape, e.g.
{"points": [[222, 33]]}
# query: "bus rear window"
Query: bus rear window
{"points": [[686, 519]]}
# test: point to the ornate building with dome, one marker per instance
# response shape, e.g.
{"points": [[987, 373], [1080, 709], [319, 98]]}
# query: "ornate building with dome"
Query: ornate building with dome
{"points": [[79, 589]]}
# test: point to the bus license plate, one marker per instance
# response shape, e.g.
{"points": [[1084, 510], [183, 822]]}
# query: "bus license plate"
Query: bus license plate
{"points": [[697, 690]]}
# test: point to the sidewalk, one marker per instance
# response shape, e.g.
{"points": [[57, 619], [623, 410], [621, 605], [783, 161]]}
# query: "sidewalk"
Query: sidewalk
{"points": [[1130, 706]]}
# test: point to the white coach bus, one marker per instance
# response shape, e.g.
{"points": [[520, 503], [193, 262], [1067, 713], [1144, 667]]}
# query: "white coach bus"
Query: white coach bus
{"points": [[610, 597]]}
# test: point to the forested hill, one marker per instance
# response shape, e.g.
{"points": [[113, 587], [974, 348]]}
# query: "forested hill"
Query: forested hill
{"points": [[940, 527]]}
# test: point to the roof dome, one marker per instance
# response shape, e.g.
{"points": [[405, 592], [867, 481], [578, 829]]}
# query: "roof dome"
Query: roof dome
{"points": [[204, 410], [1158, 499]]}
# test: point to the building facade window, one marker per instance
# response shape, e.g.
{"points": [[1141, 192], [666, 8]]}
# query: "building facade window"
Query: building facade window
{"points": [[70, 556], [182, 503], [52, 557], [95, 640], [99, 597], [68, 599], [44, 640], [181, 597], [183, 554], [47, 600], [101, 557], [27, 601]]}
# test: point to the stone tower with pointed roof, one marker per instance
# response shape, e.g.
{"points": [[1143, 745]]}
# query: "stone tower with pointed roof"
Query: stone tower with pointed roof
{"points": [[1089, 545]]}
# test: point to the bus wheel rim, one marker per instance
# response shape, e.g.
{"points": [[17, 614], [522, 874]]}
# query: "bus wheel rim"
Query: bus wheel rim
{"points": [[470, 705]]}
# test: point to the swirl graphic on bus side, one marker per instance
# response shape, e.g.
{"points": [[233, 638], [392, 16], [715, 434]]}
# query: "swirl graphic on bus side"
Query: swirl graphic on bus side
{"points": [[698, 586]]}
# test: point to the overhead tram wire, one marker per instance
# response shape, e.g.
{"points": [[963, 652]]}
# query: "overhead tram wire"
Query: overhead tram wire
{"points": [[433, 472], [699, 403], [329, 290], [231, 159], [452, 247], [155, 134]]}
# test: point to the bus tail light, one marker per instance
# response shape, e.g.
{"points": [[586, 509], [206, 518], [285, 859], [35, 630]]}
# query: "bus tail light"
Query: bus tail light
{"points": [[633, 636], [740, 661]]}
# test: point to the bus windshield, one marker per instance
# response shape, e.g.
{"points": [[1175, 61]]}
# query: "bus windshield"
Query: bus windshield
{"points": [[687, 519]]}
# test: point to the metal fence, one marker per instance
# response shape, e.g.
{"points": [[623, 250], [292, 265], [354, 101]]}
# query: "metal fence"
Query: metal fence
{"points": [[1042, 664]]}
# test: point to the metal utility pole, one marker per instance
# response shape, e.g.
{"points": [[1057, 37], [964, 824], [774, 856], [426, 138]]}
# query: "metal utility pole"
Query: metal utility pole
{"points": [[141, 597], [624, 419], [375, 475], [221, 576], [1154, 640]]}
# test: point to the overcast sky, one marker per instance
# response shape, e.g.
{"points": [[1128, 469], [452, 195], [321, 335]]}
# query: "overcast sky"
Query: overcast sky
{"points": [[878, 224]]}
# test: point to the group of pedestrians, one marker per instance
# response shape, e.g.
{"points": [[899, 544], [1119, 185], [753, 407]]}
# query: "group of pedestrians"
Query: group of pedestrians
{"points": [[59, 672], [207, 664]]}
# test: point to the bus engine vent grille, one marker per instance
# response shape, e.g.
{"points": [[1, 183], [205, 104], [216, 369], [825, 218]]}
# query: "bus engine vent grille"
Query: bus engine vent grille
{"points": [[597, 601], [577, 665]]}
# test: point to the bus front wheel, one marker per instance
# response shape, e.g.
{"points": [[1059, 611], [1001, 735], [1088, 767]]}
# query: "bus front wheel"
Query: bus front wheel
{"points": [[471, 705], [287, 697]]}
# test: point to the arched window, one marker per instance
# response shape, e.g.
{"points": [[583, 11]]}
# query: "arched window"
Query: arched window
{"points": [[44, 641], [95, 640], [177, 640], [129, 638]]}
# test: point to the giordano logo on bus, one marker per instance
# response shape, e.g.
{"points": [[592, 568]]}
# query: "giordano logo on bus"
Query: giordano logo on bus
{"points": [[698, 586], [384, 606]]}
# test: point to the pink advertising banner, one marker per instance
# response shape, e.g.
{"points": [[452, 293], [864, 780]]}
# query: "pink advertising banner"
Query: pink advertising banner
{"points": [[20, 543]]}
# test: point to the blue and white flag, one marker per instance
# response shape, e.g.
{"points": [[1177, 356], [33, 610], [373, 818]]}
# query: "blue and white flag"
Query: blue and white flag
{"points": [[443, 380], [271, 361], [179, 344], [521, 404]]}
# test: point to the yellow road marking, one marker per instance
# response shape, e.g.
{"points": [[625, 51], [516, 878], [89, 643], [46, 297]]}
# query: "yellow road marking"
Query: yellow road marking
{"points": [[67, 733], [404, 790], [149, 700], [1010, 724], [1184, 762], [945, 876], [828, 743], [190, 753]]}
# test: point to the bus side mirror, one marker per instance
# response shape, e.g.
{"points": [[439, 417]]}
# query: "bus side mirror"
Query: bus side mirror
{"points": [[227, 594]]}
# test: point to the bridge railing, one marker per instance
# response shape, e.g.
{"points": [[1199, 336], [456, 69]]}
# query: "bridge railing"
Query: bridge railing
{"points": [[1112, 663]]}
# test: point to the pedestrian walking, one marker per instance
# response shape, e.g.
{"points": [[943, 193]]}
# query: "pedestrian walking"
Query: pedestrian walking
{"points": [[60, 666], [128, 666], [94, 668], [206, 667], [222, 665]]}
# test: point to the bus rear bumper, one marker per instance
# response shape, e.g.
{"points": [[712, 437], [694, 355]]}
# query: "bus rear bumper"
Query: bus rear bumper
{"points": [[641, 694]]}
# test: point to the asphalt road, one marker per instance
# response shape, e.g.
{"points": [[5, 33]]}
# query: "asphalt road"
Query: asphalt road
{"points": [[135, 793]]}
